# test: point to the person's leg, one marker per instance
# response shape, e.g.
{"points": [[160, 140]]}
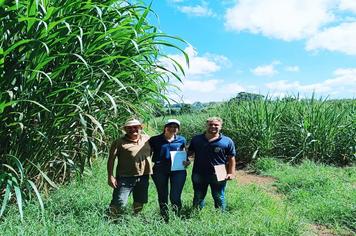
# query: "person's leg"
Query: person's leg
{"points": [[140, 193], [177, 180], [137, 207], [200, 188], [218, 193], [161, 182], [121, 194]]}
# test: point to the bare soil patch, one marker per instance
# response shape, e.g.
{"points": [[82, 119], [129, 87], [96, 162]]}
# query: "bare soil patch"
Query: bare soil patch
{"points": [[244, 177], [266, 182], [321, 230]]}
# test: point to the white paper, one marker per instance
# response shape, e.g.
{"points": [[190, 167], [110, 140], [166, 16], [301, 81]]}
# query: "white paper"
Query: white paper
{"points": [[177, 158], [220, 171]]}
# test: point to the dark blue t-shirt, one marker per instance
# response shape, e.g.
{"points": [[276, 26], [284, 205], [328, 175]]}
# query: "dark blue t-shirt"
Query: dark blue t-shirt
{"points": [[208, 154], [161, 150]]}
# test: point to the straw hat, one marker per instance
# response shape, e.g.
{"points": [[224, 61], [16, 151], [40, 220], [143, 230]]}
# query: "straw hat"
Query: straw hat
{"points": [[132, 122]]}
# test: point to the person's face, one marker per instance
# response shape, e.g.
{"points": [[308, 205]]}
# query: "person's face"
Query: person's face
{"points": [[213, 127], [172, 128], [132, 130]]}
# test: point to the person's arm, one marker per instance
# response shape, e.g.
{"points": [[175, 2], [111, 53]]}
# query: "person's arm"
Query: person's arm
{"points": [[190, 158], [231, 171], [110, 165]]}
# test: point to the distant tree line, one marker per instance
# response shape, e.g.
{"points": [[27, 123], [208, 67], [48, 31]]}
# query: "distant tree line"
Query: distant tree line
{"points": [[186, 108], [183, 108]]}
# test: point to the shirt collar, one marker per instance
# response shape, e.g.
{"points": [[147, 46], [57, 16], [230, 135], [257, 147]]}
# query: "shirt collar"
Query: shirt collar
{"points": [[220, 136]]}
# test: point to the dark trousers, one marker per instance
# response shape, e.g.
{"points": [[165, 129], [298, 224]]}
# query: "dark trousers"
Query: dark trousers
{"points": [[175, 180], [200, 186]]}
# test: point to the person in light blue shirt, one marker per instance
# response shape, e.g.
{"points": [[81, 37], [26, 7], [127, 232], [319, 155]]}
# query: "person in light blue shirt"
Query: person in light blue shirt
{"points": [[211, 149], [168, 182]]}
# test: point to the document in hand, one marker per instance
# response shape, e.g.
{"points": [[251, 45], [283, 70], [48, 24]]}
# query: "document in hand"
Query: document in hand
{"points": [[177, 158], [220, 171]]}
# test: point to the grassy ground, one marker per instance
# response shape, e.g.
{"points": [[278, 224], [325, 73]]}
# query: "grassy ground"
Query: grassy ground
{"points": [[322, 194], [79, 209]]}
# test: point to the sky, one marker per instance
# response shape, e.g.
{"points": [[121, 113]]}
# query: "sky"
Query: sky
{"points": [[275, 48]]}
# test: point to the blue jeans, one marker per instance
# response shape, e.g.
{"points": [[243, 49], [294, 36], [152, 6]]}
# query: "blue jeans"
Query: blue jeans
{"points": [[200, 186], [137, 185], [177, 180]]}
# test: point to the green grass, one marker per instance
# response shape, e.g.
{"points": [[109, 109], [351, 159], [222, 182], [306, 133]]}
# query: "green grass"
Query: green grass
{"points": [[314, 194], [79, 208], [322, 194]]}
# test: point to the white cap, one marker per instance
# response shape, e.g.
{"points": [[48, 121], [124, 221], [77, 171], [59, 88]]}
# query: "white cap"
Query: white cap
{"points": [[172, 121], [132, 122]]}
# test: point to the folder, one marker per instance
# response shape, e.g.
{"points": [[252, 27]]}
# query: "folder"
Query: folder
{"points": [[220, 171], [177, 158]]}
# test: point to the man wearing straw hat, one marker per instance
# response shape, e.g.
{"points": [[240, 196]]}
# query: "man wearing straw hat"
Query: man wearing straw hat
{"points": [[132, 152]]}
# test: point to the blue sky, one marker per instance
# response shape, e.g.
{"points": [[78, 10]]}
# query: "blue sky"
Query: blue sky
{"points": [[271, 47]]}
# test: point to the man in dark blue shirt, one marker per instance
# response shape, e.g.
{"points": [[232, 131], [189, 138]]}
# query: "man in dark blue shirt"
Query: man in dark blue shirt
{"points": [[211, 150]]}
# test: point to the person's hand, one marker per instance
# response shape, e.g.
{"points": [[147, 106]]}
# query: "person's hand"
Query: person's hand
{"points": [[186, 163], [112, 182], [230, 176]]}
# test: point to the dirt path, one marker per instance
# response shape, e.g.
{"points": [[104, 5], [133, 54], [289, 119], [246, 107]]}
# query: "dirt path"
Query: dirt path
{"points": [[266, 182], [245, 177]]}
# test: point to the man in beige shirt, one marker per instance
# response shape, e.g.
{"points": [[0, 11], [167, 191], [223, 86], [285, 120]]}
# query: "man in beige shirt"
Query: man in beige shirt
{"points": [[132, 152]]}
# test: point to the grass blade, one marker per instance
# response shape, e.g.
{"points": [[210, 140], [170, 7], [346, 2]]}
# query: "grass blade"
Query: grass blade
{"points": [[39, 198], [6, 197], [19, 200]]}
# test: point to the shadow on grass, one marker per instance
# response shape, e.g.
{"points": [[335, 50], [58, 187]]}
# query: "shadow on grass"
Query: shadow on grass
{"points": [[187, 212], [126, 215]]}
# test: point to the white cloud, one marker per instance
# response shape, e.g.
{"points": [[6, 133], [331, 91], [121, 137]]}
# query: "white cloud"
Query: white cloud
{"points": [[199, 83], [292, 68], [343, 83], [202, 66], [322, 23], [198, 10], [209, 90], [281, 19], [232, 89], [285, 86], [202, 86], [348, 5], [266, 70], [344, 77], [340, 38], [198, 65]]}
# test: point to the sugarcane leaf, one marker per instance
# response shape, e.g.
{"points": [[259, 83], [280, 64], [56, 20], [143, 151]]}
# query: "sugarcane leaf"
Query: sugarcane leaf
{"points": [[19, 199], [4, 104], [11, 169], [17, 44], [44, 175], [112, 100], [35, 102], [6, 198], [82, 59], [38, 195], [95, 121]]}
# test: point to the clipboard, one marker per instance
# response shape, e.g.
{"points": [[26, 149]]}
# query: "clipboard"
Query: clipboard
{"points": [[220, 172], [177, 158]]}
